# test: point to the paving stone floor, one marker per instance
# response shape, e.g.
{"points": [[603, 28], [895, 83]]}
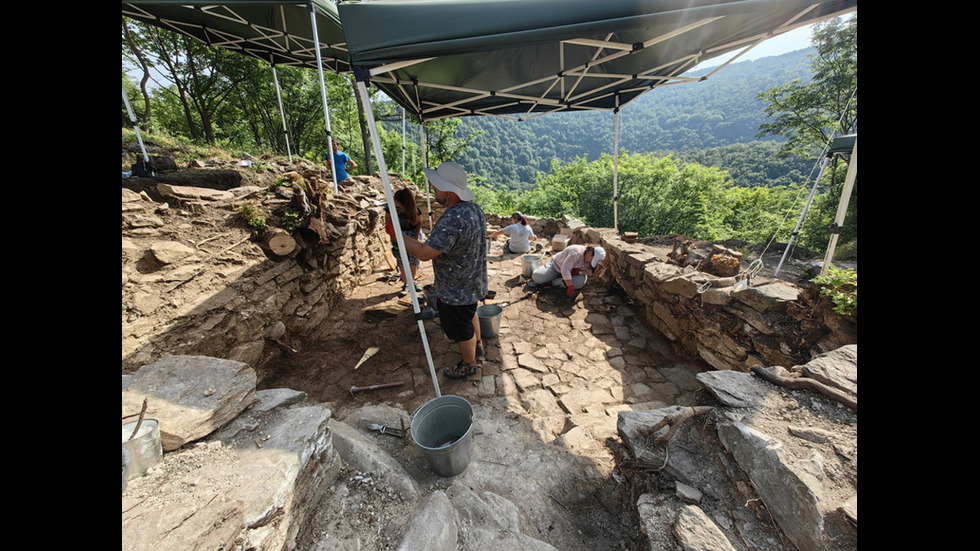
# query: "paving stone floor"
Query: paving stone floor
{"points": [[555, 357]]}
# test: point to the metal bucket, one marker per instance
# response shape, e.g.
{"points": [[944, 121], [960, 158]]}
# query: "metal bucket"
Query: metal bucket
{"points": [[430, 296], [443, 429], [143, 451], [529, 263], [489, 315]]}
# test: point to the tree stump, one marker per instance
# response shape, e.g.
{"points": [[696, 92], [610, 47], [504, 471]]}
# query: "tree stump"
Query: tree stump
{"points": [[278, 242]]}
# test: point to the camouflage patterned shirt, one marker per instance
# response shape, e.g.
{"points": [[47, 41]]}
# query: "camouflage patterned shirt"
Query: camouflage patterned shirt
{"points": [[460, 270]]}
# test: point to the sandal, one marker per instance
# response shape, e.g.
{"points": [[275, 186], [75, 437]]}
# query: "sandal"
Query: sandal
{"points": [[462, 370]]}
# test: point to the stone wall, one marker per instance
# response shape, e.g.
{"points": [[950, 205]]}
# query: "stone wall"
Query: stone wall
{"points": [[770, 322], [237, 303], [241, 305], [543, 227]]}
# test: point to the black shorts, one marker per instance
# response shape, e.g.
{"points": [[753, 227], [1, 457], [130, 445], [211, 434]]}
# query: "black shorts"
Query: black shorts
{"points": [[457, 320]]}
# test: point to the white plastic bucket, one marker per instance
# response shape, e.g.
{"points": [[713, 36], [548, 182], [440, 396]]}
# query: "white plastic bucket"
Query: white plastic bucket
{"points": [[489, 316], [529, 263], [443, 429]]}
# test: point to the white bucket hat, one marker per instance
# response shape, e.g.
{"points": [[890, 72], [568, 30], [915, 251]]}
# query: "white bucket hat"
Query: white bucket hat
{"points": [[598, 254], [450, 177]]}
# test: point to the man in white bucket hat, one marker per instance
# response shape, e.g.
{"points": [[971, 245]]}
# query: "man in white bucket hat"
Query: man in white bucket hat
{"points": [[457, 247]]}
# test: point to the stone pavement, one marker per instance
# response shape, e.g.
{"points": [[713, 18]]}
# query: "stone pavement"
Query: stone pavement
{"points": [[556, 357]]}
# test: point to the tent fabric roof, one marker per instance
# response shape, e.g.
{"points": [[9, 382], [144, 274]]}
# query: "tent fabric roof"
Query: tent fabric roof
{"points": [[278, 32], [519, 58]]}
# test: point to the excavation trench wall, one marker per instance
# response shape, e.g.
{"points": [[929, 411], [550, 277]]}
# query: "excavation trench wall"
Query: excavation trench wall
{"points": [[268, 307]]}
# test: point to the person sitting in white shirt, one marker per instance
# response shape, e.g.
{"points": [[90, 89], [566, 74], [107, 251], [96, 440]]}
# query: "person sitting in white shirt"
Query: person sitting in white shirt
{"points": [[519, 234]]}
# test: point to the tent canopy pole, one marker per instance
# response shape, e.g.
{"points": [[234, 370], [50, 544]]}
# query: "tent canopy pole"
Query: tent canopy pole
{"points": [[282, 113], [616, 167], [323, 97], [425, 165], [845, 198], [399, 237], [136, 127], [403, 142]]}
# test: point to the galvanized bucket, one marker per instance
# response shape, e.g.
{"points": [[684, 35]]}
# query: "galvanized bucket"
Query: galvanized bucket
{"points": [[489, 315], [142, 451], [443, 429], [529, 263]]}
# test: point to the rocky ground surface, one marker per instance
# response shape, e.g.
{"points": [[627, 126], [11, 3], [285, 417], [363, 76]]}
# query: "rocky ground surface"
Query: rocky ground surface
{"points": [[548, 436]]}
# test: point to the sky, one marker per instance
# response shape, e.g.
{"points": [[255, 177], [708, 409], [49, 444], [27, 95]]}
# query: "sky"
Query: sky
{"points": [[797, 39]]}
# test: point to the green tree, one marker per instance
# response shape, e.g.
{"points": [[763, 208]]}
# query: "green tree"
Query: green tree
{"points": [[197, 75], [809, 115], [445, 142]]}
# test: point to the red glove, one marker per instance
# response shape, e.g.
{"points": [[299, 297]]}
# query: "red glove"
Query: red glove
{"points": [[570, 290], [576, 271]]}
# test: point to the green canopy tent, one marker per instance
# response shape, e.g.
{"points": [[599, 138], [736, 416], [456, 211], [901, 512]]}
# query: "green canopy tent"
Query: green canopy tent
{"points": [[523, 58], [292, 33]]}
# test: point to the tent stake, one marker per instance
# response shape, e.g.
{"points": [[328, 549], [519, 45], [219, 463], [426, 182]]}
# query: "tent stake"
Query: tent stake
{"points": [[399, 237]]}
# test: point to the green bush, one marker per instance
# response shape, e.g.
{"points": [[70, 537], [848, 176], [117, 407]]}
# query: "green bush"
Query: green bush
{"points": [[291, 220], [252, 218], [840, 286]]}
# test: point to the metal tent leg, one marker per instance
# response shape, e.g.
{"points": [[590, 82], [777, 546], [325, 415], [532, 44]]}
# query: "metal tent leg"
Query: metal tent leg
{"points": [[323, 97], [845, 198], [393, 212], [282, 113], [136, 127], [806, 207]]}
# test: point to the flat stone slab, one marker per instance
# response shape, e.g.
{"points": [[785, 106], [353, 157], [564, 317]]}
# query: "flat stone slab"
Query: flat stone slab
{"points": [[837, 368], [735, 389], [195, 193], [190, 396]]}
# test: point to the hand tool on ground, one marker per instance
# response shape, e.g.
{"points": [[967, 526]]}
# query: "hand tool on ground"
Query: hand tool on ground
{"points": [[367, 354], [385, 429], [356, 389]]}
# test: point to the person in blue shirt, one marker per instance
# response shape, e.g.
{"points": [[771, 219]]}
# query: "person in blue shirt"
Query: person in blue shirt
{"points": [[342, 161]]}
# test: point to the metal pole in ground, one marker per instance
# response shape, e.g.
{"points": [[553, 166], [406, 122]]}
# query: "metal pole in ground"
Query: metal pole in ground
{"points": [[393, 212]]}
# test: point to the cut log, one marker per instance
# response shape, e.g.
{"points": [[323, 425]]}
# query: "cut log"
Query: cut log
{"points": [[279, 242]]}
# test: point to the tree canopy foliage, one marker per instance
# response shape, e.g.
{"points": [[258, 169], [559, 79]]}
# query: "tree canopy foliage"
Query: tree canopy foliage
{"points": [[691, 159]]}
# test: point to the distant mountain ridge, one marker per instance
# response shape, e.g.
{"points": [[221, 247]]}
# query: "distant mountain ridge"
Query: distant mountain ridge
{"points": [[720, 111]]}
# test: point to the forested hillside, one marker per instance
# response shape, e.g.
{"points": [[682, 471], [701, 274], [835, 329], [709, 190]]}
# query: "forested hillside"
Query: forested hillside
{"points": [[711, 122]]}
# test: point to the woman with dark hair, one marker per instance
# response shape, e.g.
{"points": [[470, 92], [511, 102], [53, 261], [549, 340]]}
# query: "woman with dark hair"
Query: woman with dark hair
{"points": [[410, 224], [519, 234]]}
